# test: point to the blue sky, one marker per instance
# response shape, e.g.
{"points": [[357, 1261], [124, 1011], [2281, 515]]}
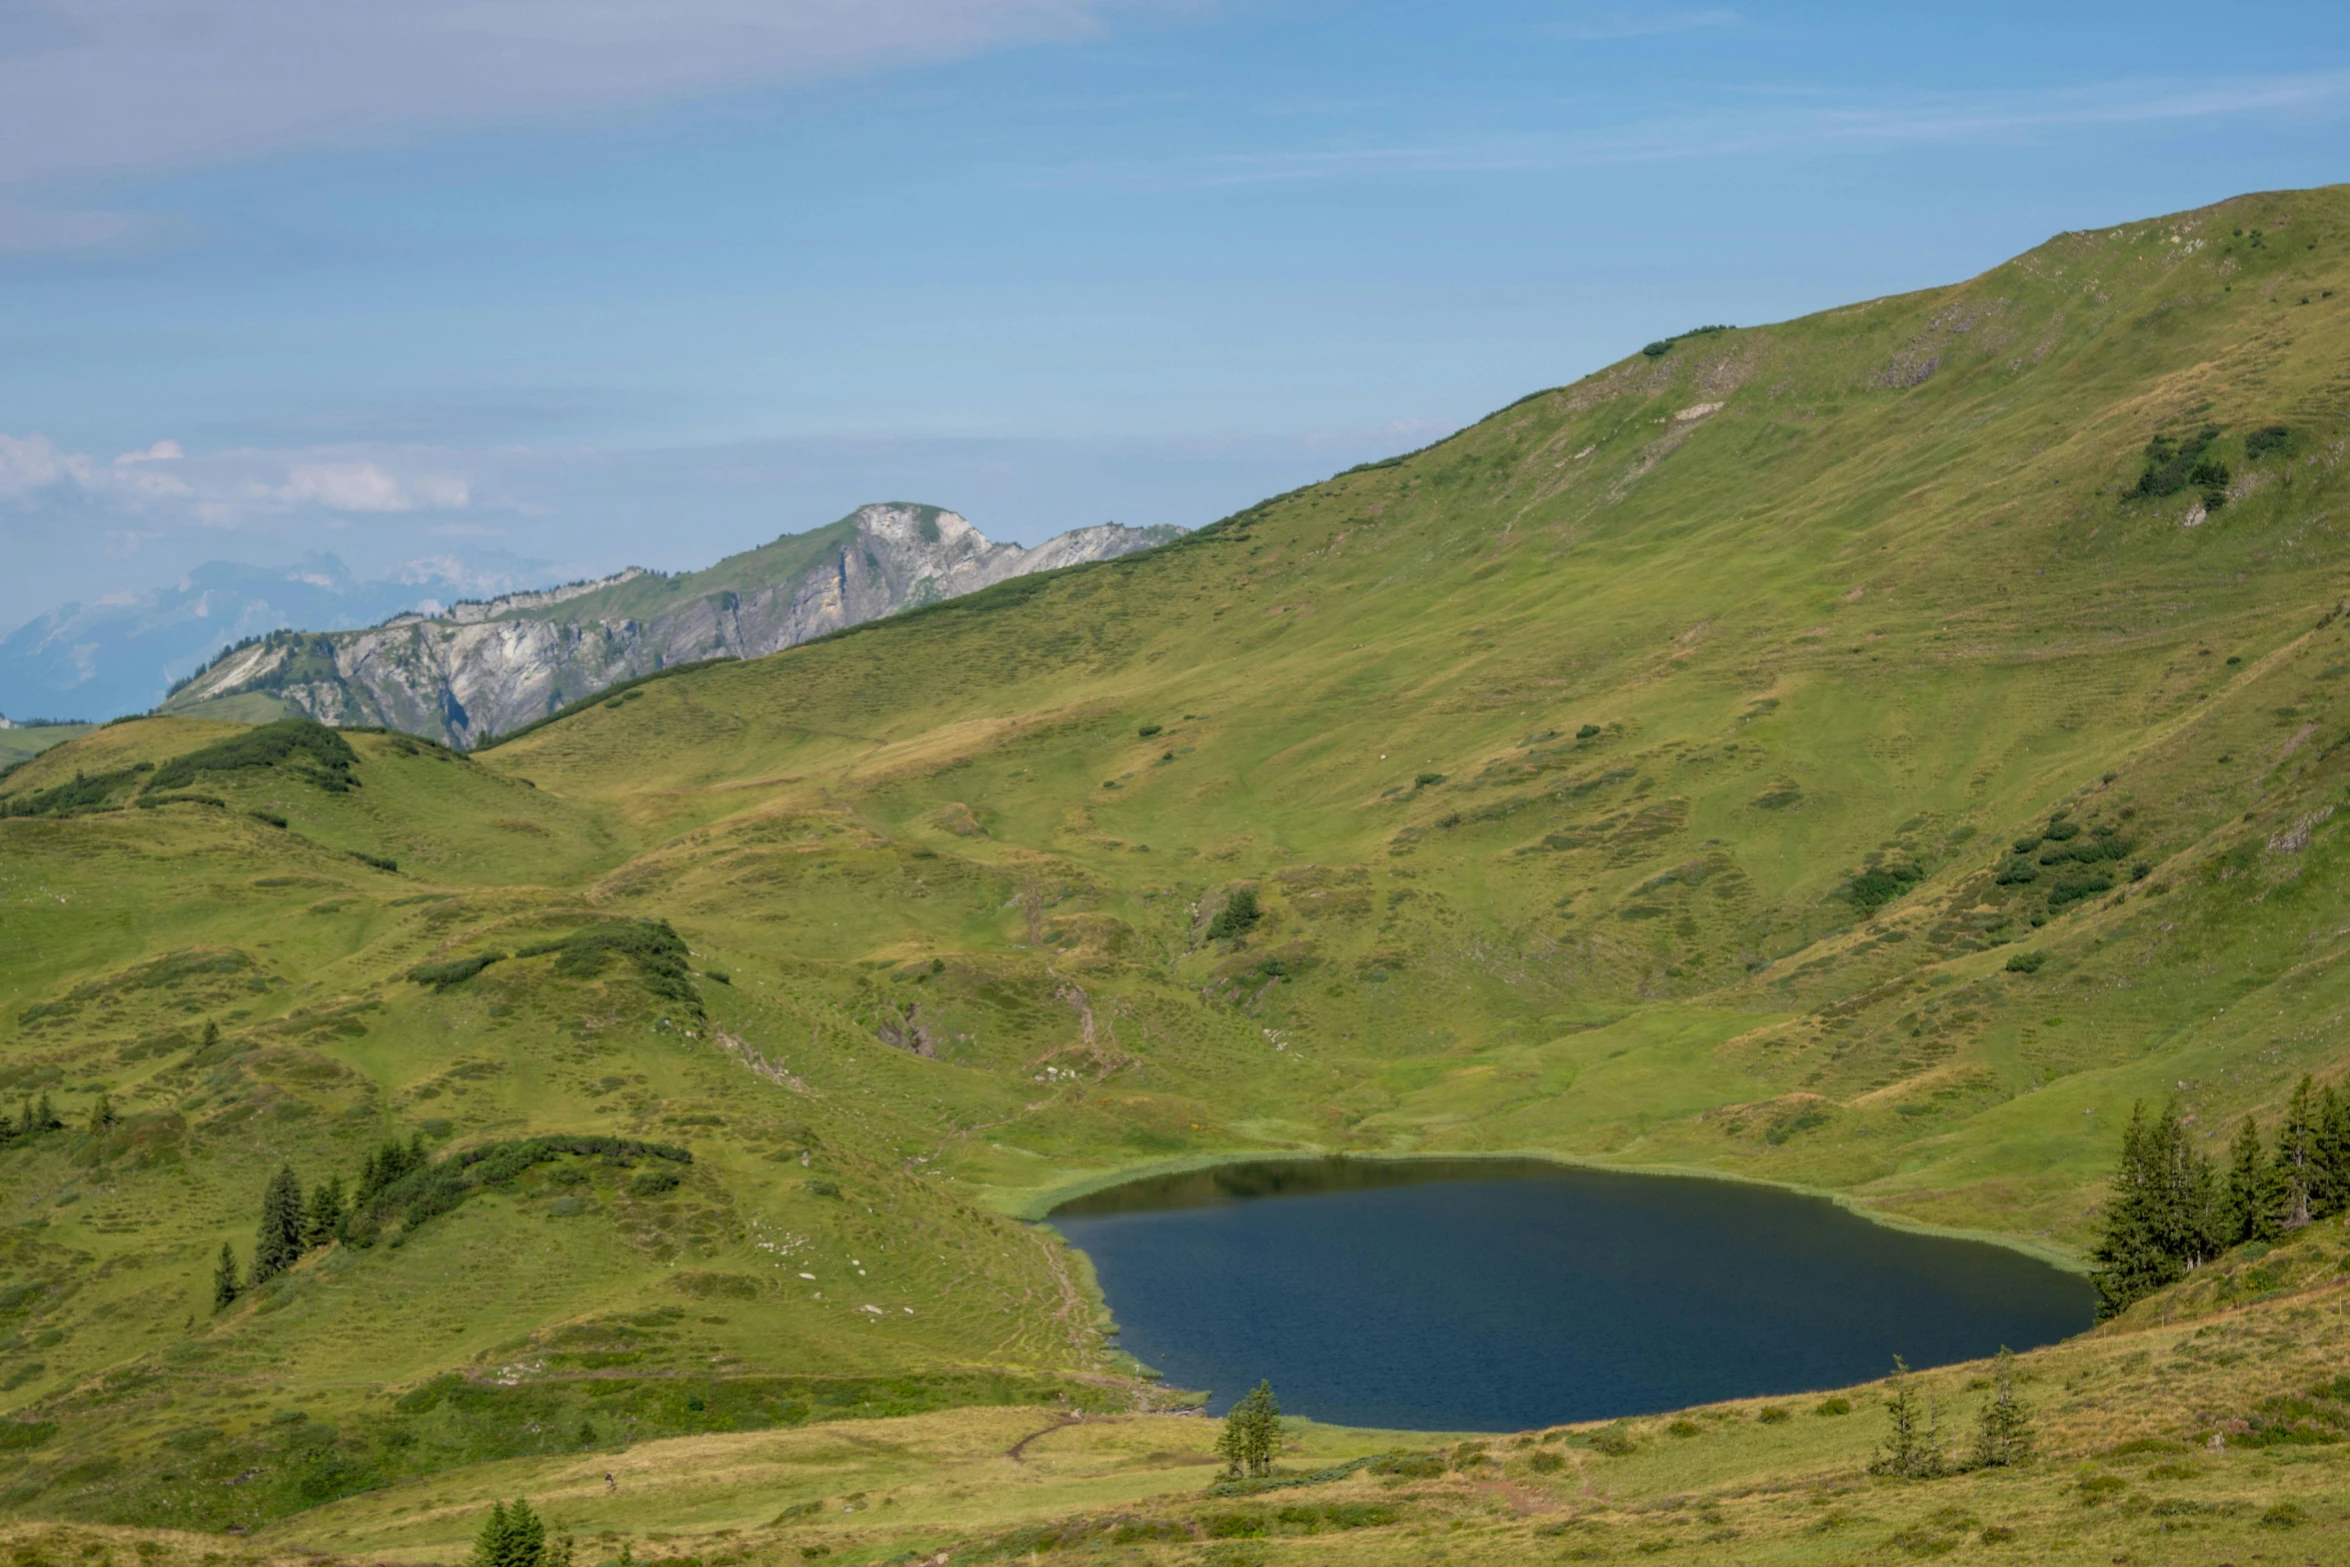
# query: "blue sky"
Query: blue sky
{"points": [[583, 283]]}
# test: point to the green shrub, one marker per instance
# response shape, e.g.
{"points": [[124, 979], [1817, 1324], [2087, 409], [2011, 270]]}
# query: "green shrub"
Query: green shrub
{"points": [[657, 951], [270, 817], [1407, 1466], [2074, 885], [2026, 962], [1774, 1414], [1658, 349], [1615, 1442], [1428, 780], [1546, 1463], [1837, 1405], [653, 1183], [2284, 1515], [454, 972], [821, 1188], [1147, 730], [376, 860], [328, 755], [2171, 463], [1586, 731], [2269, 438], [1879, 885]]}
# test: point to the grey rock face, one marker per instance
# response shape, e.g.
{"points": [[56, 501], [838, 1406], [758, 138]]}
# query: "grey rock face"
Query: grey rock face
{"points": [[488, 668]]}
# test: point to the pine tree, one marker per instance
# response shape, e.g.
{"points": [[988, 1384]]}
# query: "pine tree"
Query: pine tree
{"points": [[323, 1221], [489, 1546], [225, 1288], [2186, 1198], [1263, 1430], [2333, 1153], [102, 1116], [211, 1034], [2246, 1196], [45, 1118], [2132, 1258], [2004, 1435], [1913, 1447], [24, 1120], [2297, 1158], [510, 1537], [1232, 1441], [278, 1246]]}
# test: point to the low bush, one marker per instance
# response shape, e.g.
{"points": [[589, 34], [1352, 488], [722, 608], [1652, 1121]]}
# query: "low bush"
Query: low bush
{"points": [[328, 755], [2025, 962], [453, 972], [657, 951]]}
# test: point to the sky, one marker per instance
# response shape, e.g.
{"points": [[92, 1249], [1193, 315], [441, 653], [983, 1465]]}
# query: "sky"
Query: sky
{"points": [[578, 284]]}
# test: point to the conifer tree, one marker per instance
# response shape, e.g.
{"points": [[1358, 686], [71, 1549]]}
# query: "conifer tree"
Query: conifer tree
{"points": [[510, 1537], [24, 1120], [2297, 1173], [1263, 1428], [323, 1221], [1232, 1441], [225, 1288], [2131, 1256], [2004, 1435], [2245, 1199], [2333, 1153], [102, 1116], [45, 1117], [278, 1245], [1913, 1447]]}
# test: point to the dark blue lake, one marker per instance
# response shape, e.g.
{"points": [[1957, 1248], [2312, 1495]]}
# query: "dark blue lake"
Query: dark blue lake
{"points": [[1496, 1295]]}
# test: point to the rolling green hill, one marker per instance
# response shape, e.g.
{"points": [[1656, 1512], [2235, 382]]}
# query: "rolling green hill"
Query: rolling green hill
{"points": [[1864, 753]]}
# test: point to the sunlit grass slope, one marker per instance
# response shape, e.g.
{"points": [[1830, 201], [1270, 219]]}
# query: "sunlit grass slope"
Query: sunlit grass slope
{"points": [[1637, 776]]}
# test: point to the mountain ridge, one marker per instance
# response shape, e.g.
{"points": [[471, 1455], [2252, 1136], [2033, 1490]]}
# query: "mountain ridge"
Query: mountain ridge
{"points": [[477, 670]]}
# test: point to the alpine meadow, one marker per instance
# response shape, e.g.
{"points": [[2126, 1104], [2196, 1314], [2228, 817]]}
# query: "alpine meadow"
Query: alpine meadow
{"points": [[1892, 754]]}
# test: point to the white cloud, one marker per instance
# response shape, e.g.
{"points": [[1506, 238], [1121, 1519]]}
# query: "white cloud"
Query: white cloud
{"points": [[226, 489], [29, 463], [344, 486], [101, 88]]}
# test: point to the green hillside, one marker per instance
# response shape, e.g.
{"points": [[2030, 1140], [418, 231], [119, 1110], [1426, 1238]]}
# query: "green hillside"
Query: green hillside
{"points": [[1863, 753]]}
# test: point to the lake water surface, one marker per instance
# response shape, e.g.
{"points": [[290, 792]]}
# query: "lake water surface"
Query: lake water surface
{"points": [[1497, 1295]]}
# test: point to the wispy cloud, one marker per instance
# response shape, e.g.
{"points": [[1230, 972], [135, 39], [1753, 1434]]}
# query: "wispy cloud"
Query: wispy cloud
{"points": [[1789, 121], [94, 89], [233, 489]]}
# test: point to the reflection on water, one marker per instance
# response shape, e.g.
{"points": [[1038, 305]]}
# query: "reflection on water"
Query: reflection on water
{"points": [[1500, 1294]]}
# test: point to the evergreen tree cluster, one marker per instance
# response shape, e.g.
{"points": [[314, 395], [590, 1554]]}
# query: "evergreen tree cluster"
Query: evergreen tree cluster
{"points": [[292, 1226], [36, 1117], [1913, 1444], [2172, 1210], [1251, 1434], [516, 1537]]}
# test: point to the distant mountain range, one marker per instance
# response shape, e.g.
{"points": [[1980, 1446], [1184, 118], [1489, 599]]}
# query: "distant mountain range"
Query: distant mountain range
{"points": [[121, 654], [480, 669]]}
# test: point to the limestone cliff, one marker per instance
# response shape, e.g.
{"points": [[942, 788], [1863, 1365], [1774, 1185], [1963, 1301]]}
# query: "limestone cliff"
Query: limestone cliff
{"points": [[487, 668]]}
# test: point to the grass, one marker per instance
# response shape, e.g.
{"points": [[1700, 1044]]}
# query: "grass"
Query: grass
{"points": [[1609, 785]]}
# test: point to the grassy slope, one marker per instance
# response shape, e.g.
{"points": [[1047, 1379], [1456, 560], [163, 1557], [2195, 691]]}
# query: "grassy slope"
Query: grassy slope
{"points": [[22, 744], [1854, 614]]}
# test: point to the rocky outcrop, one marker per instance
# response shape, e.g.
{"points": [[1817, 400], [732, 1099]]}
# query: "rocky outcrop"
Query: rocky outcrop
{"points": [[488, 668]]}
